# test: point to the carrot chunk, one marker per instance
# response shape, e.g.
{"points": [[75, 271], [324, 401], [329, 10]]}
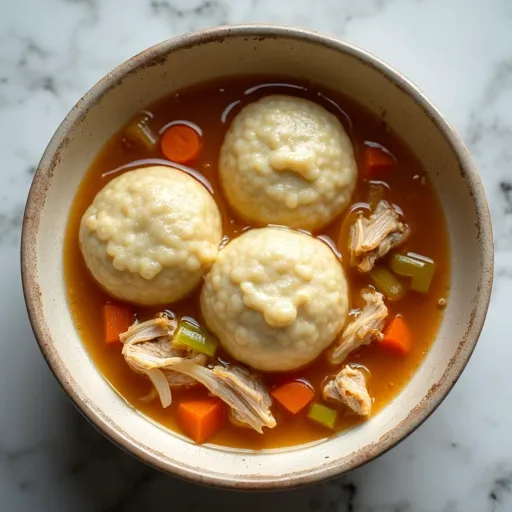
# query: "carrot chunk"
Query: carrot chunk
{"points": [[397, 336], [180, 143], [200, 419], [376, 160], [117, 319], [293, 396]]}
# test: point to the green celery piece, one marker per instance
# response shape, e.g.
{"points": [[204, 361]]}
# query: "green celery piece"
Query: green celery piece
{"points": [[195, 338], [323, 415], [419, 268], [386, 283], [138, 132]]}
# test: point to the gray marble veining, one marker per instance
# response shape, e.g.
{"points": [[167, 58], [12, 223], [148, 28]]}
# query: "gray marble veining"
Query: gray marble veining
{"points": [[52, 51]]}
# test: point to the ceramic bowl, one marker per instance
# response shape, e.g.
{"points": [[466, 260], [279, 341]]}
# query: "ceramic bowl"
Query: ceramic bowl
{"points": [[215, 53]]}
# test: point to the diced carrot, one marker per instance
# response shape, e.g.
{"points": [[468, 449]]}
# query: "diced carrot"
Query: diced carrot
{"points": [[200, 419], [117, 319], [180, 143], [397, 336], [293, 396], [376, 160]]}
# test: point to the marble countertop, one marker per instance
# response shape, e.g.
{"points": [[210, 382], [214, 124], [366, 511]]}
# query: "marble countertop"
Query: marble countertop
{"points": [[51, 51]]}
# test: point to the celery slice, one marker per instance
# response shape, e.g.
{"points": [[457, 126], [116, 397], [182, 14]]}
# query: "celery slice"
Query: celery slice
{"points": [[323, 415], [194, 337], [419, 268], [139, 132], [385, 282]]}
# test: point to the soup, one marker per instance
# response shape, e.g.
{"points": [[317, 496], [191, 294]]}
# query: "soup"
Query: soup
{"points": [[396, 290]]}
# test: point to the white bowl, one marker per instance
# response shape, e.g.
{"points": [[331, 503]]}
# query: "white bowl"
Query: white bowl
{"points": [[211, 54]]}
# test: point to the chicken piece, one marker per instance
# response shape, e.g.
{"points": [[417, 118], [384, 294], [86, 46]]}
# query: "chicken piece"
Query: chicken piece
{"points": [[237, 376], [365, 328], [349, 388], [159, 327], [148, 349], [372, 238], [236, 419], [246, 395]]}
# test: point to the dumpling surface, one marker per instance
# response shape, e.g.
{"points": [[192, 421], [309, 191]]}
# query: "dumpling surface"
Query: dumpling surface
{"points": [[287, 161], [150, 235], [275, 298]]}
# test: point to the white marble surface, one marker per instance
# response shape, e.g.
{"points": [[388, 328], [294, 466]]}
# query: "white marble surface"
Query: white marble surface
{"points": [[52, 51]]}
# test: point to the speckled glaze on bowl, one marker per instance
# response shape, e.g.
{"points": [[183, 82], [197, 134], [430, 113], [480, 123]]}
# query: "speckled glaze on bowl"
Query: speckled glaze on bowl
{"points": [[255, 49]]}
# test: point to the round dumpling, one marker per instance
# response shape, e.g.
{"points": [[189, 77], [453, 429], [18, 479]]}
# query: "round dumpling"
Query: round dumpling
{"points": [[287, 161], [275, 298], [150, 235]]}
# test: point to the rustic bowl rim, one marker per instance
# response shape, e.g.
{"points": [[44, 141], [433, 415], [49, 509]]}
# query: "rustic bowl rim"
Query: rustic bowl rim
{"points": [[32, 291]]}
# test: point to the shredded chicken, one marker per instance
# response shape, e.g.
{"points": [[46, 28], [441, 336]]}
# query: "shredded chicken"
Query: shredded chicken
{"points": [[365, 328], [246, 396], [159, 327], [349, 388], [236, 419], [148, 349], [372, 238]]}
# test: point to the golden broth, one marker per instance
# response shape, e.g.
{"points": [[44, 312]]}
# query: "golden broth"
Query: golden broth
{"points": [[212, 106]]}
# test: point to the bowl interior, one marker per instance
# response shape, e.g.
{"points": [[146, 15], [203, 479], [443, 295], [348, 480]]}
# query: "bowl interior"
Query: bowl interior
{"points": [[178, 63]]}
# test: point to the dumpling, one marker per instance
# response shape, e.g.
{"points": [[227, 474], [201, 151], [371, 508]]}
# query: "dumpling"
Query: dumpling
{"points": [[150, 235], [275, 298], [287, 161]]}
